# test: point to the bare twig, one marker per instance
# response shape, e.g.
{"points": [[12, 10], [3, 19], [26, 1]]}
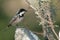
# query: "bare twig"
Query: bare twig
{"points": [[45, 15]]}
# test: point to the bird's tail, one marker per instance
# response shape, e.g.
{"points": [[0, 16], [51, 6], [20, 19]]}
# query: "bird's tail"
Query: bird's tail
{"points": [[9, 25]]}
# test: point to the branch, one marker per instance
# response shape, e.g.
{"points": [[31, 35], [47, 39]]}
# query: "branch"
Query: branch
{"points": [[45, 6]]}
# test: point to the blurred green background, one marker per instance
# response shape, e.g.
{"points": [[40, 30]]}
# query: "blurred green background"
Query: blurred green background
{"points": [[8, 9]]}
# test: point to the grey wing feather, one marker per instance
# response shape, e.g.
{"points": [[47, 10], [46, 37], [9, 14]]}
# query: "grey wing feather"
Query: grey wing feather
{"points": [[13, 19]]}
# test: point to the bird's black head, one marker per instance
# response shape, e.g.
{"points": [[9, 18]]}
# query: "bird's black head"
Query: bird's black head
{"points": [[21, 10]]}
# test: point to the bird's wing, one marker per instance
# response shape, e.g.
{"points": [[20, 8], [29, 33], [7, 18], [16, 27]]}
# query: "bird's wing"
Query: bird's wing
{"points": [[13, 19]]}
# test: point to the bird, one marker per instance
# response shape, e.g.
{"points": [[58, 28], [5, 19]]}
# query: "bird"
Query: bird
{"points": [[18, 17]]}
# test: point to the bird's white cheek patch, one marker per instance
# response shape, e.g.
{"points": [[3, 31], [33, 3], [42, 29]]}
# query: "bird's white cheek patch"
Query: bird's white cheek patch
{"points": [[21, 13]]}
